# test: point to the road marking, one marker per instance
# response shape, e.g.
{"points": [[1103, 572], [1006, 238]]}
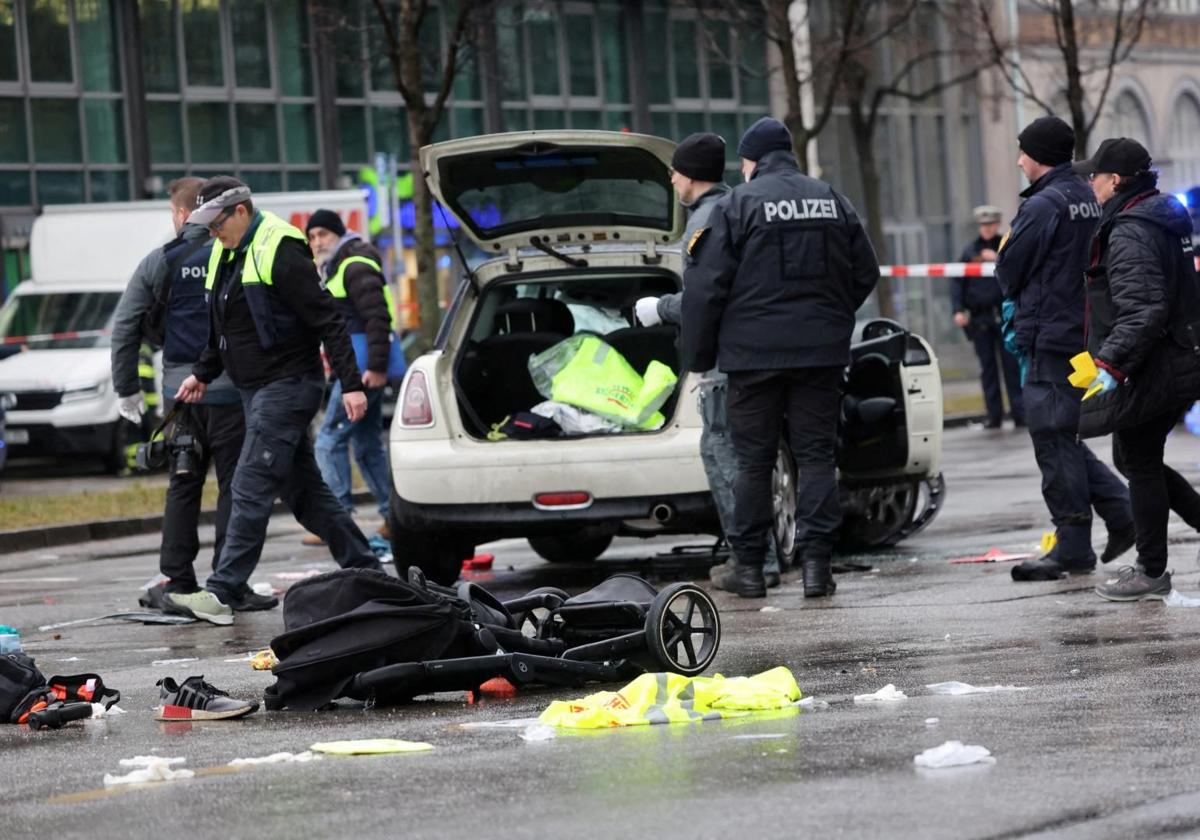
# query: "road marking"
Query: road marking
{"points": [[40, 580]]}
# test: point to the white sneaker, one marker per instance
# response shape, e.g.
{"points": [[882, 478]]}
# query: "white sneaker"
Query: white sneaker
{"points": [[202, 605]]}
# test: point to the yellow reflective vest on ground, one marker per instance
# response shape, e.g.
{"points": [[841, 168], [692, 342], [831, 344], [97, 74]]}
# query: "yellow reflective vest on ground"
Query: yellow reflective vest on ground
{"points": [[674, 698], [585, 372]]}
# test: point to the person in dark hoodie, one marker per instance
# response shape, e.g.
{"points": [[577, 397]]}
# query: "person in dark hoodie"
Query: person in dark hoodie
{"points": [[352, 271], [1143, 296], [777, 275], [1041, 267]]}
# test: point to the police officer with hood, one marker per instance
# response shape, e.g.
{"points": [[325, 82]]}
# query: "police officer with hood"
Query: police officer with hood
{"points": [[1143, 334], [1041, 269], [269, 316], [778, 275], [698, 175]]}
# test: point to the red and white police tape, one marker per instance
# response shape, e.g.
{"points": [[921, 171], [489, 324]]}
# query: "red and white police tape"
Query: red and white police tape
{"points": [[58, 336], [981, 269]]}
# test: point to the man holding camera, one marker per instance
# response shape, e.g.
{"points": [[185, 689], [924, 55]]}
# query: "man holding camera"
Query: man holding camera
{"points": [[164, 304], [269, 317]]}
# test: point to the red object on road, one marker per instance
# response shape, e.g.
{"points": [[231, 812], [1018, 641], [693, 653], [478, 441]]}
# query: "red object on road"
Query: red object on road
{"points": [[993, 555], [479, 563]]}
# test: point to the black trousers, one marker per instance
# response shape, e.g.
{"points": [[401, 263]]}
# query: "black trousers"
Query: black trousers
{"points": [[220, 430], [277, 461], [984, 332], [757, 403], [1154, 488]]}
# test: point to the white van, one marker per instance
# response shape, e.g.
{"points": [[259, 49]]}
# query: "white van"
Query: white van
{"points": [[55, 329]]}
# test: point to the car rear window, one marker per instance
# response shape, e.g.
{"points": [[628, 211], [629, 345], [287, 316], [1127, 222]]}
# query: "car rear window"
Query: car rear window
{"points": [[543, 186]]}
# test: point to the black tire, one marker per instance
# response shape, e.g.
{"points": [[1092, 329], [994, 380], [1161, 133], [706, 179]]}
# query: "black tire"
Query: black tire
{"points": [[783, 505], [519, 618], [582, 547], [672, 631], [881, 515], [439, 555]]}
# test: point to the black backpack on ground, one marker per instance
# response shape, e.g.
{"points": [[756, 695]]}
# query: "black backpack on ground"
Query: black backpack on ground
{"points": [[21, 686]]}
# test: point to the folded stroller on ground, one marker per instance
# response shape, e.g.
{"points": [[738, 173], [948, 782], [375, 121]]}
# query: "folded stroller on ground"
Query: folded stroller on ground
{"points": [[367, 636]]}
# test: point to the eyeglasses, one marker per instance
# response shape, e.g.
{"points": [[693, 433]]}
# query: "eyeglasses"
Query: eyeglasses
{"points": [[215, 225]]}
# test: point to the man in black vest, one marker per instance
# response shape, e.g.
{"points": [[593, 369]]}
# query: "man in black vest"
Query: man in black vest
{"points": [[164, 303]]}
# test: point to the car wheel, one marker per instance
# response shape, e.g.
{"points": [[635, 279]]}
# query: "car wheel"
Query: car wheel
{"points": [[877, 517], [582, 547], [437, 554], [683, 629], [783, 505]]}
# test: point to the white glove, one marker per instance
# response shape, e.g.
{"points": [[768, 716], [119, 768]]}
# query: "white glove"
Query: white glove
{"points": [[131, 407], [646, 310]]}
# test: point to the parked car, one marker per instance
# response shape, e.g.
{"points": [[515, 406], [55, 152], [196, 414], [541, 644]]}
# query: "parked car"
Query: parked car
{"points": [[580, 225]]}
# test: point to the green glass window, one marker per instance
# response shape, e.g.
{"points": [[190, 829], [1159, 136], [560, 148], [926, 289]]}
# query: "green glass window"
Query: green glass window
{"points": [[727, 126], [56, 131], [13, 148], [686, 61], [49, 26], [516, 119], [348, 48], [689, 124], [261, 182], [618, 121], [720, 52], [549, 120], [95, 22], [543, 56], [8, 43], [159, 57], [391, 131], [660, 125], [208, 132], [352, 133], [752, 64], [468, 122], [612, 50], [379, 64], [430, 39], [466, 80], [302, 181], [510, 52], [167, 176], [202, 38], [587, 119], [581, 54], [251, 55], [14, 187], [166, 132], [258, 137], [110, 186], [300, 133], [59, 187], [658, 82], [105, 130], [292, 47]]}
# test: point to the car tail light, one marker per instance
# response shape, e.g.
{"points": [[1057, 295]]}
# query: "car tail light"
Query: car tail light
{"points": [[558, 501], [416, 408]]}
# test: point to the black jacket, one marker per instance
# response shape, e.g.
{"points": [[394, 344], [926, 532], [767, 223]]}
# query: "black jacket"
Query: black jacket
{"points": [[976, 294], [1043, 259], [778, 276], [1143, 311], [364, 307], [234, 344]]}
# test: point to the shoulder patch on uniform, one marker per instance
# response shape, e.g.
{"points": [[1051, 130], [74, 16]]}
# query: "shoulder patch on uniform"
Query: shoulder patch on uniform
{"points": [[695, 241]]}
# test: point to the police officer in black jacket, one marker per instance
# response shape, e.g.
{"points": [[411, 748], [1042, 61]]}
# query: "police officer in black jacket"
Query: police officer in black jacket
{"points": [[780, 271], [1041, 269], [976, 302], [269, 317], [1143, 295]]}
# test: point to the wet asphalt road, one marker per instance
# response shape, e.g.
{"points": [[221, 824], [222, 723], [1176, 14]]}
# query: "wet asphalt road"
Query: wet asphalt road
{"points": [[1102, 745]]}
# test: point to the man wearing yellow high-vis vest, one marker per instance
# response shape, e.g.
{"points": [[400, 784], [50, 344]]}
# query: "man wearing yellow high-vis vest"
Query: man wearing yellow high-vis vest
{"points": [[352, 271], [269, 317]]}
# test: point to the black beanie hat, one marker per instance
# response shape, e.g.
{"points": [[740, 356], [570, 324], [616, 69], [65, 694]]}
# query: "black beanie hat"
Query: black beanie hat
{"points": [[700, 156], [766, 135], [1048, 140], [327, 219]]}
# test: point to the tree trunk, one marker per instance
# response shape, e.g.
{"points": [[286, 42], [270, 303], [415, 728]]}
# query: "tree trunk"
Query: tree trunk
{"points": [[1075, 93], [428, 297], [863, 131]]}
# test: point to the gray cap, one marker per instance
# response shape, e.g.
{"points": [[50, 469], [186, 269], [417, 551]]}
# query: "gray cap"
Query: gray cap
{"points": [[217, 194], [986, 213]]}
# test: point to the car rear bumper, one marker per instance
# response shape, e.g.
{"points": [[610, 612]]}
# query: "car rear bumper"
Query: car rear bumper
{"points": [[689, 513]]}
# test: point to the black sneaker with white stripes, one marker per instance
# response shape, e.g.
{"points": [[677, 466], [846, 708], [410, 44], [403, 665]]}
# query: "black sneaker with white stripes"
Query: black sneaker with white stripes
{"points": [[194, 699]]}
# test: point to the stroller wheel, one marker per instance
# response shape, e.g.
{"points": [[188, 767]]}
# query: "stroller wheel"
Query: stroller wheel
{"points": [[683, 629], [537, 615]]}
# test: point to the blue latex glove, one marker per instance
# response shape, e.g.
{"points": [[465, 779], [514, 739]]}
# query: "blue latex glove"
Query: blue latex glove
{"points": [[1106, 381], [1008, 330]]}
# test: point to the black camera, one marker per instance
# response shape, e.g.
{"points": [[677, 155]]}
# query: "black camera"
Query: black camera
{"points": [[171, 443]]}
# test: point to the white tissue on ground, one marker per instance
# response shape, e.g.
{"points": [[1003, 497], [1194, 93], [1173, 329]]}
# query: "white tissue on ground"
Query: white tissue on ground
{"points": [[276, 758], [1178, 599], [538, 732], [151, 768], [888, 694], [957, 688], [953, 754]]}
